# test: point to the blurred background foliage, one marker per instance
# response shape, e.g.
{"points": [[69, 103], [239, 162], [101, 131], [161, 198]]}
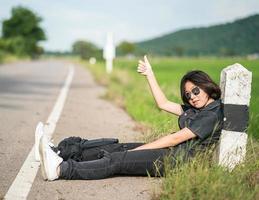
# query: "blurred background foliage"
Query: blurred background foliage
{"points": [[21, 34], [86, 50]]}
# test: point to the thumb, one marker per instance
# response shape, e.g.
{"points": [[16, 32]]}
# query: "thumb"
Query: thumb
{"points": [[146, 60]]}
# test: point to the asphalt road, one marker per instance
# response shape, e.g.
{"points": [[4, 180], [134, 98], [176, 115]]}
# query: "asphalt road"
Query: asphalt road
{"points": [[28, 91]]}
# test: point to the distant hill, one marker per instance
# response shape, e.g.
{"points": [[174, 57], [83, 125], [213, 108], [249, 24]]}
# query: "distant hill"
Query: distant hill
{"points": [[240, 37]]}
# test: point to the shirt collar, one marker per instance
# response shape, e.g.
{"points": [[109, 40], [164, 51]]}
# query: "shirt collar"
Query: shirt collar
{"points": [[212, 105]]}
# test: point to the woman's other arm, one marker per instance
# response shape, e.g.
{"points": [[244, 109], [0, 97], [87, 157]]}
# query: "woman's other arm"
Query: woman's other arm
{"points": [[145, 68], [169, 140]]}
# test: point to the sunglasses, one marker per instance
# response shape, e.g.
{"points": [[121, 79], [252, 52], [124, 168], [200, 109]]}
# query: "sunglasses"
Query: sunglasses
{"points": [[195, 91]]}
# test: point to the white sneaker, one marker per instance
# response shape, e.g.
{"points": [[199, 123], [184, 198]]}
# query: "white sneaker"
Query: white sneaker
{"points": [[39, 132], [50, 161]]}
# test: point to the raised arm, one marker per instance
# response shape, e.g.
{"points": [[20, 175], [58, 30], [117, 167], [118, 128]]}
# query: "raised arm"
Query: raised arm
{"points": [[163, 103]]}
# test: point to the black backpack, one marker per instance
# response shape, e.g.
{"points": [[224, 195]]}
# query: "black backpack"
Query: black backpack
{"points": [[73, 147]]}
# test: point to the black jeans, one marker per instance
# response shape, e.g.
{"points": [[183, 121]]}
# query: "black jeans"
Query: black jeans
{"points": [[114, 162]]}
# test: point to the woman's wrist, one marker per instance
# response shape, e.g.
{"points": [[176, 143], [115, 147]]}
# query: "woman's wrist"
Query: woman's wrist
{"points": [[150, 74]]}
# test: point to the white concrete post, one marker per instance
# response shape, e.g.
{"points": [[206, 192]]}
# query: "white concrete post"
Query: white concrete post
{"points": [[109, 52], [236, 89]]}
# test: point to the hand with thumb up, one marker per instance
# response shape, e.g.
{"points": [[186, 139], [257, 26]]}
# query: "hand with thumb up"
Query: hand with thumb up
{"points": [[144, 67]]}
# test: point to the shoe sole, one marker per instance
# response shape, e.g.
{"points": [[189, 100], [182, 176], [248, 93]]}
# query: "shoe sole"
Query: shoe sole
{"points": [[37, 143], [41, 151]]}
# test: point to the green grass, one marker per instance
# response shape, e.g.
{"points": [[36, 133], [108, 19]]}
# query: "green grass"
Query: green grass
{"points": [[199, 179], [10, 58]]}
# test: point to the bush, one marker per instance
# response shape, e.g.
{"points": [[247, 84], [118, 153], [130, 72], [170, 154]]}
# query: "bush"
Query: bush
{"points": [[86, 50], [1, 56]]}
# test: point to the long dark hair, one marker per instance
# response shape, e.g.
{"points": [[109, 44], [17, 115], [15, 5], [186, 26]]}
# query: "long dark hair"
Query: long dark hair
{"points": [[203, 81]]}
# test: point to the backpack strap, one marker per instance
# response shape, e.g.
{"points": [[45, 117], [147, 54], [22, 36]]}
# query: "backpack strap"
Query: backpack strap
{"points": [[87, 144]]}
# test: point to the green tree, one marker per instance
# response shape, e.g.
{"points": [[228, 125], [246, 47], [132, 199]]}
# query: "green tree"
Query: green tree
{"points": [[125, 48], [22, 32], [223, 51], [179, 51], [86, 49]]}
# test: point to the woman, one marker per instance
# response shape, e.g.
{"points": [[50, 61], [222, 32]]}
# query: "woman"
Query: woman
{"points": [[200, 122]]}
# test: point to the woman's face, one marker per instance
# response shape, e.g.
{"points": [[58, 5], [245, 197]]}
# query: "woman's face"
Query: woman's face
{"points": [[197, 97]]}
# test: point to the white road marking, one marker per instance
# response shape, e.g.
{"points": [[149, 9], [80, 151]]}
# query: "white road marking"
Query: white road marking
{"points": [[21, 186]]}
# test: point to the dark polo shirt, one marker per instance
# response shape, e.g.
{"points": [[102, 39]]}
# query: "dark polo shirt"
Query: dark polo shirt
{"points": [[206, 123]]}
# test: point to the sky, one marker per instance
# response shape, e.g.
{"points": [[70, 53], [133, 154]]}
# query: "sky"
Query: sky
{"points": [[67, 21]]}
